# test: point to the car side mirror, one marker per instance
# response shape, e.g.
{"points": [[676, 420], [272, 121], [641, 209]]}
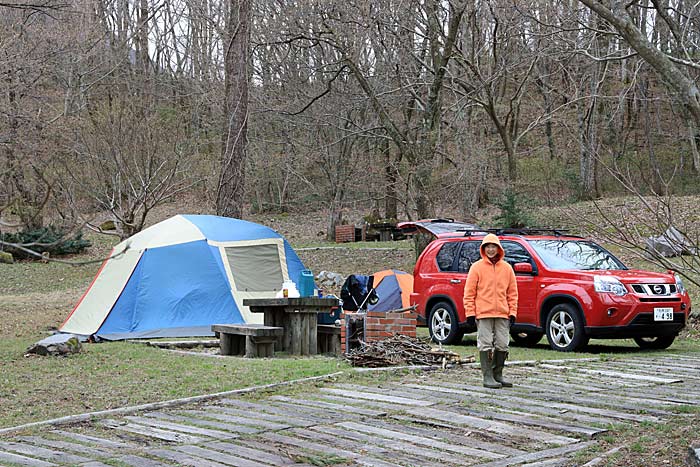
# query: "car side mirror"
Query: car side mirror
{"points": [[524, 268]]}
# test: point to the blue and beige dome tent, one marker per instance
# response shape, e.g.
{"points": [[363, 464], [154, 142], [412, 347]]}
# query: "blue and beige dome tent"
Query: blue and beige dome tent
{"points": [[180, 276]]}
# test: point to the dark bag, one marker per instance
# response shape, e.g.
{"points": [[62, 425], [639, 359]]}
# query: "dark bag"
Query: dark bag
{"points": [[357, 292]]}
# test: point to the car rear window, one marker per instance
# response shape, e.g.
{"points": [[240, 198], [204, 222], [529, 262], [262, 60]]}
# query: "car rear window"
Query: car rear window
{"points": [[446, 256]]}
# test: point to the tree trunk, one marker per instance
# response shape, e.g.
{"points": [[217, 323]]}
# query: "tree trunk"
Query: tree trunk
{"points": [[231, 190], [391, 178]]}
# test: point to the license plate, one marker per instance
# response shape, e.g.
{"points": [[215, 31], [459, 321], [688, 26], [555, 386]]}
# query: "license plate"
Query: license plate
{"points": [[663, 314]]}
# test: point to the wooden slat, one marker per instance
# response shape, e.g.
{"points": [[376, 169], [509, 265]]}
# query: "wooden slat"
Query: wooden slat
{"points": [[250, 453], [217, 456], [398, 435], [268, 412], [533, 456], [325, 449], [318, 414], [151, 432], [183, 459], [375, 405], [444, 415], [444, 434], [180, 427], [233, 423], [534, 420], [138, 461], [66, 445], [22, 460], [397, 449], [616, 374], [267, 447], [43, 453], [94, 440], [378, 397], [558, 462], [269, 422], [198, 422], [331, 406]]}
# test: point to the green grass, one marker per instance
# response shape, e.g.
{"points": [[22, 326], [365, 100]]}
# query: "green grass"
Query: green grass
{"points": [[117, 374], [24, 277]]}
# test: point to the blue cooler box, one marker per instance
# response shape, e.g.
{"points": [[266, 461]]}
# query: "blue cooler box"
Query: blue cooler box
{"points": [[306, 283]]}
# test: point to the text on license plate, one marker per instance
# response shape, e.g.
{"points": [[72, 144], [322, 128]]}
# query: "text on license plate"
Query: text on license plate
{"points": [[663, 314]]}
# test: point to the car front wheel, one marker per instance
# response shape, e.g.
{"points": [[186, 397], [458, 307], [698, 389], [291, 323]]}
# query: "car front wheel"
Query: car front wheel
{"points": [[658, 342], [565, 330], [443, 324]]}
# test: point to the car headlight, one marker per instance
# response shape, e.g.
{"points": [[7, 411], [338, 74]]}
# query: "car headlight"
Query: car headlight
{"points": [[680, 288], [604, 284]]}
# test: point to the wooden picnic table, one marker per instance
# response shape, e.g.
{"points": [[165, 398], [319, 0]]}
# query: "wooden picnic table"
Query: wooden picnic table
{"points": [[298, 318]]}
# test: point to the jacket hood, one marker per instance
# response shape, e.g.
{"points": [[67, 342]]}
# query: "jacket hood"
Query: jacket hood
{"points": [[491, 238]]}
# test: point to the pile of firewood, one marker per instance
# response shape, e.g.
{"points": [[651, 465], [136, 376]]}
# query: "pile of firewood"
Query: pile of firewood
{"points": [[402, 350]]}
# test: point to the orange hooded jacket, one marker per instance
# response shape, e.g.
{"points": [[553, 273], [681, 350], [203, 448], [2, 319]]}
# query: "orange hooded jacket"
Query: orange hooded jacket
{"points": [[491, 290]]}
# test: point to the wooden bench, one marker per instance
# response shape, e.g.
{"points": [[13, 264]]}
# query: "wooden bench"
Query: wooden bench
{"points": [[328, 339], [251, 340]]}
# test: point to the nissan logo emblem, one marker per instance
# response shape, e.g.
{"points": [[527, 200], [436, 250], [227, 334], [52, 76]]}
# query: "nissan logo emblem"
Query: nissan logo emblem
{"points": [[658, 289]]}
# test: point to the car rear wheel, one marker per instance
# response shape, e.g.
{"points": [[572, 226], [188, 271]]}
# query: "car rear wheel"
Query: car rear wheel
{"points": [[443, 324], [658, 342], [526, 339], [565, 330]]}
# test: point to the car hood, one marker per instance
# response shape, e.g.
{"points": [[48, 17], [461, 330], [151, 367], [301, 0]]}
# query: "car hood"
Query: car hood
{"points": [[633, 276]]}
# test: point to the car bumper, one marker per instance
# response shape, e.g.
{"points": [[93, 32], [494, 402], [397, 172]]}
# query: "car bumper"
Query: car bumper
{"points": [[643, 325]]}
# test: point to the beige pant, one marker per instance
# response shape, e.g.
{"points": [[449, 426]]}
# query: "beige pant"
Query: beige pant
{"points": [[493, 333]]}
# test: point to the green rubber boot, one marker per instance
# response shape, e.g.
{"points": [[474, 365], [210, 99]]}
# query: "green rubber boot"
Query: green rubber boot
{"points": [[487, 370], [499, 361]]}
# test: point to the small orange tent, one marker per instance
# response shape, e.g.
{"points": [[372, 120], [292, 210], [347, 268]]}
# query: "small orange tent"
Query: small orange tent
{"points": [[393, 287]]}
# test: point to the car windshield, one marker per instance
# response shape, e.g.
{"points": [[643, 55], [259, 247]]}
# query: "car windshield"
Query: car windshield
{"points": [[575, 254]]}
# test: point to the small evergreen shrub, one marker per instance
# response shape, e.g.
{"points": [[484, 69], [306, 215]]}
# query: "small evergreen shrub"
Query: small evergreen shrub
{"points": [[50, 240], [512, 215]]}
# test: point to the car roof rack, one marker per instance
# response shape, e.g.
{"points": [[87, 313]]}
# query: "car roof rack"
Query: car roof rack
{"points": [[519, 231]]}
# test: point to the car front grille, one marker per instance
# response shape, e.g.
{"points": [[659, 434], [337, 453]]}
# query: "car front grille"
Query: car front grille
{"points": [[659, 299], [654, 289]]}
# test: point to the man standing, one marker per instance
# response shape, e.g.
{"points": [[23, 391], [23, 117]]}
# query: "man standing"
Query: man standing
{"points": [[491, 303]]}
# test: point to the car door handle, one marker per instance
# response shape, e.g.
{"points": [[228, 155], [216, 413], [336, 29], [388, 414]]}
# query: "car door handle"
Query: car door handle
{"points": [[455, 281]]}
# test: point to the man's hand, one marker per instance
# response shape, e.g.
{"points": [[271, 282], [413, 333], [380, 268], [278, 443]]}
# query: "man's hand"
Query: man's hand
{"points": [[511, 318], [471, 321]]}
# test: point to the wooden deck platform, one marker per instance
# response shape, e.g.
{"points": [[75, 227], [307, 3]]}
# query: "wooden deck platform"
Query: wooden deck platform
{"points": [[441, 419]]}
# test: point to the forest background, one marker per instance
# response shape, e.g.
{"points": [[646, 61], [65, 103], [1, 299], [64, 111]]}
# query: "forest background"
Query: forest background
{"points": [[402, 109]]}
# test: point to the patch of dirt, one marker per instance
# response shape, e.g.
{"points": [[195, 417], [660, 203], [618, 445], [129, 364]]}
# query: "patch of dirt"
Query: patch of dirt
{"points": [[34, 315]]}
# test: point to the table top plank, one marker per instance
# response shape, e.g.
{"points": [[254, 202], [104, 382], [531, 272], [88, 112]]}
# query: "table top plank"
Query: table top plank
{"points": [[248, 329], [299, 301]]}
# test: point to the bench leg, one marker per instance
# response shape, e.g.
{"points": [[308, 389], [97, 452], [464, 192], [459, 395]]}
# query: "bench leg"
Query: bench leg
{"points": [[251, 349], [335, 344], [226, 344], [231, 344], [260, 346]]}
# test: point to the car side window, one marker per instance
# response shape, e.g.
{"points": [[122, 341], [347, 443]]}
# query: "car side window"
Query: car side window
{"points": [[467, 255], [516, 253], [446, 256]]}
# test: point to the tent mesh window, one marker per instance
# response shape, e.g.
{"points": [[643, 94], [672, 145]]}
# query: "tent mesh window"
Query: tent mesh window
{"points": [[255, 268]]}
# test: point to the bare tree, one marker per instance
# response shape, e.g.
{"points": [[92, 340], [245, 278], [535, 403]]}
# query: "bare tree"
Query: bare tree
{"points": [[673, 68]]}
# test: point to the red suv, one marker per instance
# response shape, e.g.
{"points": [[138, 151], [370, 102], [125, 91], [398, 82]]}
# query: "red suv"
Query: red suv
{"points": [[569, 288]]}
